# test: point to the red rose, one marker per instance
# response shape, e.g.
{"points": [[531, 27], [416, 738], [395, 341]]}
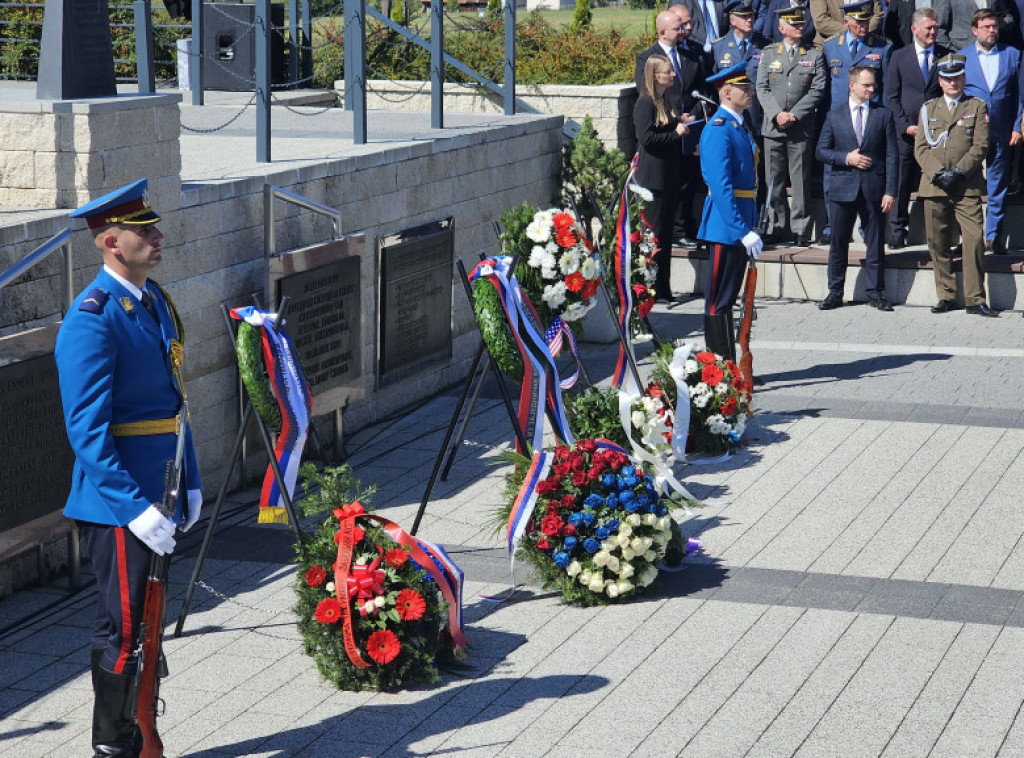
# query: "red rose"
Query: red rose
{"points": [[644, 307], [410, 605], [396, 557], [729, 407], [568, 530], [568, 501], [543, 544], [636, 238], [562, 469], [551, 525], [594, 474], [579, 478], [553, 507], [548, 487], [707, 358], [733, 368], [561, 453], [587, 446], [712, 375], [640, 290], [328, 611], [574, 282], [383, 646], [316, 576], [655, 391]]}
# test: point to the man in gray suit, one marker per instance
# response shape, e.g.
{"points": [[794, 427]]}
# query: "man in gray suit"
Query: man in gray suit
{"points": [[791, 84], [858, 143], [954, 19]]}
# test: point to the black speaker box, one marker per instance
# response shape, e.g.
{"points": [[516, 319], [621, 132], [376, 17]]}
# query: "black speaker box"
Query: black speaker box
{"points": [[229, 46]]}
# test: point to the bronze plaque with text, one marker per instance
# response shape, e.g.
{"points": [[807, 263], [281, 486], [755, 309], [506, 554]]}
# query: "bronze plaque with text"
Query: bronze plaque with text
{"points": [[415, 299]]}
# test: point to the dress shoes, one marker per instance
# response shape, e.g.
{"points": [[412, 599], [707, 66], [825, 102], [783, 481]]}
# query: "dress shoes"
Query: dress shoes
{"points": [[686, 242], [803, 240], [944, 306], [825, 237], [898, 241], [831, 302], [981, 310], [778, 238], [995, 246], [880, 303]]}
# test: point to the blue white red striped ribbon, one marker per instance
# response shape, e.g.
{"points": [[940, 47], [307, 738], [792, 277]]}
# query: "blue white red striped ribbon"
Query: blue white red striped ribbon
{"points": [[623, 273]]}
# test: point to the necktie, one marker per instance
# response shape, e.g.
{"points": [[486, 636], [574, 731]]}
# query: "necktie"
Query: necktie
{"points": [[854, 47], [743, 48], [858, 123], [924, 66], [147, 303], [952, 105], [710, 25], [674, 57], [792, 53]]}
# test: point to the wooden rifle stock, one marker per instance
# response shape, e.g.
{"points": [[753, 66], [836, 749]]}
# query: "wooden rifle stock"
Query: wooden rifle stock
{"points": [[743, 338], [151, 637]]}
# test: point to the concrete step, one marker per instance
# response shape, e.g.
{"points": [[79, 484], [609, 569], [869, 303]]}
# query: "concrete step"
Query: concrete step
{"points": [[801, 273]]}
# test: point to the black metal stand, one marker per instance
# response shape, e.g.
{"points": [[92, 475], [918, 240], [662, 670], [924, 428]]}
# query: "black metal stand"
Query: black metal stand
{"points": [[474, 369], [268, 445]]}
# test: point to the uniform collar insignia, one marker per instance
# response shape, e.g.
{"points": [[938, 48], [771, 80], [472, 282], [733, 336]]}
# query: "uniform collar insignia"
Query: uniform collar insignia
{"points": [[126, 304]]}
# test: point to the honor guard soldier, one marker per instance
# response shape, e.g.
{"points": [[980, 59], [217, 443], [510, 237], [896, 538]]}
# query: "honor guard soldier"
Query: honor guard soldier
{"points": [[741, 44], [119, 357], [950, 146], [729, 220], [855, 46], [791, 87]]}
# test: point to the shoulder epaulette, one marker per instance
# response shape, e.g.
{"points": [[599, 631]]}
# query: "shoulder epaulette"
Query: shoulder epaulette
{"points": [[834, 37], [720, 121], [94, 301], [720, 39]]}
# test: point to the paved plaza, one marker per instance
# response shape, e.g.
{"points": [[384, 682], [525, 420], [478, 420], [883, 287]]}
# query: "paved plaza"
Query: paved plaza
{"points": [[860, 592]]}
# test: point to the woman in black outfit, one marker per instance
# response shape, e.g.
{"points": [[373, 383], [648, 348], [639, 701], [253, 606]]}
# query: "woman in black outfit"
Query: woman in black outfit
{"points": [[659, 134]]}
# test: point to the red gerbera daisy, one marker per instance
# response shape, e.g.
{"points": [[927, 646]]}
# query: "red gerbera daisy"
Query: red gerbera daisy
{"points": [[316, 576], [328, 611], [410, 605], [383, 646], [396, 557]]}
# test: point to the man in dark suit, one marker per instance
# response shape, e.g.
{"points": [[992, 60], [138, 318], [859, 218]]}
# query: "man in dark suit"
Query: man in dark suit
{"points": [[858, 143], [898, 20], [909, 83], [710, 21]]}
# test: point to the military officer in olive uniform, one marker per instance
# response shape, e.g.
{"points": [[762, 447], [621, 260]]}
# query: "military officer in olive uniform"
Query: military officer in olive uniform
{"points": [[950, 146], [790, 86], [855, 46]]}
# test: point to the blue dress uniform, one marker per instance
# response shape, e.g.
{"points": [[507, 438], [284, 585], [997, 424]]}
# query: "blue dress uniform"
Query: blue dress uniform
{"points": [[728, 155], [727, 52], [121, 401]]}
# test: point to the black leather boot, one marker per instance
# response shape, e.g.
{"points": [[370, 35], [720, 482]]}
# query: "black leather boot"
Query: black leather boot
{"points": [[732, 337], [113, 725], [717, 336]]}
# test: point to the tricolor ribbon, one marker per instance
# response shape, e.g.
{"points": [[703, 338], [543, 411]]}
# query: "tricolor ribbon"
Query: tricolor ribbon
{"points": [[431, 558], [540, 390], [623, 260], [296, 403], [526, 500]]}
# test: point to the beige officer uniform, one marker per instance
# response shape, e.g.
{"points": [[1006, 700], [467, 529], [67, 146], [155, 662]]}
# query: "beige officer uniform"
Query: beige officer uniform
{"points": [[946, 139], [795, 84]]}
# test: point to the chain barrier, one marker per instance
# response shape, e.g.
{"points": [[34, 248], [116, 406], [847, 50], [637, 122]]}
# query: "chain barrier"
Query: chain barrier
{"points": [[229, 122], [293, 108]]}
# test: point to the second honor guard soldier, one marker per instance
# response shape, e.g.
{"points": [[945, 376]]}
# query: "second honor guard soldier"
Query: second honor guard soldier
{"points": [[119, 358], [950, 146], [791, 86], [729, 220]]}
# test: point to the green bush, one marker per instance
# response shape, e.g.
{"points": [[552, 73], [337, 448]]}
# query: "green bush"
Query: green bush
{"points": [[23, 28]]}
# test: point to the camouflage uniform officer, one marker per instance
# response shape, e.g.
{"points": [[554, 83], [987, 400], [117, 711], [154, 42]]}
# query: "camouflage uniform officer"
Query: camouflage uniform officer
{"points": [[950, 146], [790, 86]]}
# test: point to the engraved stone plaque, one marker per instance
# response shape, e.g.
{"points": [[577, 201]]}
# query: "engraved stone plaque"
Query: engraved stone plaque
{"points": [[76, 58], [324, 317], [35, 474], [414, 312]]}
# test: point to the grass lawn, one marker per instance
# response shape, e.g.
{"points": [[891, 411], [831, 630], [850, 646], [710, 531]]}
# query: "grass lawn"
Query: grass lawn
{"points": [[634, 23]]}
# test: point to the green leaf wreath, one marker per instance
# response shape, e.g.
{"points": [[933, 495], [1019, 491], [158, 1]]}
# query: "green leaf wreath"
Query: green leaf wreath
{"points": [[398, 617], [249, 349], [494, 329]]}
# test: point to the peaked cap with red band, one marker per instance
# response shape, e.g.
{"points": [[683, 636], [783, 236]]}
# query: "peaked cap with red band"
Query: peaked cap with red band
{"points": [[127, 206]]}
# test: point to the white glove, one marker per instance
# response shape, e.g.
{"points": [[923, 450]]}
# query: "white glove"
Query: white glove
{"points": [[752, 242], [154, 529], [195, 503]]}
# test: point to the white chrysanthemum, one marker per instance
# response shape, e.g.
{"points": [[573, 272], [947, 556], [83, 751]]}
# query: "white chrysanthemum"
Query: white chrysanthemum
{"points": [[637, 418], [569, 263], [700, 400], [551, 247], [721, 388], [536, 257], [700, 388], [546, 217], [589, 268], [650, 404], [691, 367], [576, 311], [642, 192], [538, 232], [554, 294]]}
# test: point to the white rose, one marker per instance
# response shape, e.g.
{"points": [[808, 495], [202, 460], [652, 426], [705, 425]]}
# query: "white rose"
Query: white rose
{"points": [[621, 539], [612, 590], [628, 554], [379, 601], [584, 577], [610, 543], [613, 564], [650, 556], [573, 568], [637, 417], [626, 570], [329, 587], [633, 519], [649, 519], [626, 529], [596, 584], [647, 575], [601, 558], [623, 586]]}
